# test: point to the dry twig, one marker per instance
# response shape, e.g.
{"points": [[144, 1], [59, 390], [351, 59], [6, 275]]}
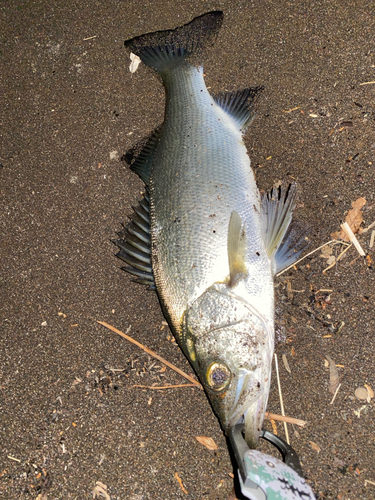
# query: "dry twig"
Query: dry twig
{"points": [[158, 387], [180, 483], [281, 400], [334, 396], [283, 418], [151, 353], [347, 229]]}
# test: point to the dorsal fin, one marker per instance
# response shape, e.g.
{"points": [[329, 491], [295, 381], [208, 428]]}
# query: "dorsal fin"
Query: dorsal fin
{"points": [[284, 242], [239, 105], [236, 249]]}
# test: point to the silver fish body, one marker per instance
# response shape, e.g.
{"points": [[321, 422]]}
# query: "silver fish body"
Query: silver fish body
{"points": [[201, 174], [212, 238]]}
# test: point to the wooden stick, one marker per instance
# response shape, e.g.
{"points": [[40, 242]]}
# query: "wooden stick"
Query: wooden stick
{"points": [[343, 252], [352, 238], [281, 418], [281, 400], [164, 386], [372, 238], [368, 227], [270, 416], [334, 396], [151, 353]]}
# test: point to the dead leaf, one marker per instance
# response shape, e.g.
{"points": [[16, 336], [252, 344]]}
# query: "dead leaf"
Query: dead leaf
{"points": [[326, 252], [333, 376], [354, 219], [208, 442], [286, 364], [369, 390], [361, 393], [314, 446]]}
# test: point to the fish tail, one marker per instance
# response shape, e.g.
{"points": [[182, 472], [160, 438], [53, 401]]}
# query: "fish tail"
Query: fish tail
{"points": [[163, 50]]}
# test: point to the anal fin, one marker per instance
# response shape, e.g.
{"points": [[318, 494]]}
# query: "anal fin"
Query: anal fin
{"points": [[236, 249]]}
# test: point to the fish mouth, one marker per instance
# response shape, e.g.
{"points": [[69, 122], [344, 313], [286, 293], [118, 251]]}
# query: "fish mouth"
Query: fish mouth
{"points": [[249, 407]]}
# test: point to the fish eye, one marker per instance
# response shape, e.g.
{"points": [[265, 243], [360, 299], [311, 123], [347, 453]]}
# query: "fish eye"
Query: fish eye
{"points": [[218, 376]]}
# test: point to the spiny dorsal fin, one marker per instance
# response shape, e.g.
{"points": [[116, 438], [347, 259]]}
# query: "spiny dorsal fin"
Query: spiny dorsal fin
{"points": [[236, 249], [135, 247], [283, 244], [239, 105]]}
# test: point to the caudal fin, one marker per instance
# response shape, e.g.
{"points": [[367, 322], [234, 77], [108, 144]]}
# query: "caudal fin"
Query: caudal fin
{"points": [[162, 50]]}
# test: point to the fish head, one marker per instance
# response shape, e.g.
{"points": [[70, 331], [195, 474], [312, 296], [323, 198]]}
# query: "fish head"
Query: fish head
{"points": [[231, 347]]}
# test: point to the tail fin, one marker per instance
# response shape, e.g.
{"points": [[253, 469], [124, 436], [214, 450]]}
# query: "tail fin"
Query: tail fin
{"points": [[163, 50]]}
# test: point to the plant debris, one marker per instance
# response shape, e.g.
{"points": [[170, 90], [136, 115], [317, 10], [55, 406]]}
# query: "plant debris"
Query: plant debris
{"points": [[283, 418], [286, 364], [369, 390], [208, 442], [100, 490], [354, 219], [361, 393], [281, 399], [151, 353], [176, 476], [357, 413], [334, 396], [160, 387], [315, 447], [352, 238], [334, 378]]}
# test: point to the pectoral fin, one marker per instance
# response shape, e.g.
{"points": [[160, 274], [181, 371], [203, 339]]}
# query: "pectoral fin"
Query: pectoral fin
{"points": [[236, 249]]}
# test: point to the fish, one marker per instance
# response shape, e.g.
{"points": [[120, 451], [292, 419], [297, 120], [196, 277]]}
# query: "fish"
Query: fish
{"points": [[203, 237]]}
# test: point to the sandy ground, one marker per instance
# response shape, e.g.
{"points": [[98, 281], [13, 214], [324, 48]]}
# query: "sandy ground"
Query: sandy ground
{"points": [[70, 412]]}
